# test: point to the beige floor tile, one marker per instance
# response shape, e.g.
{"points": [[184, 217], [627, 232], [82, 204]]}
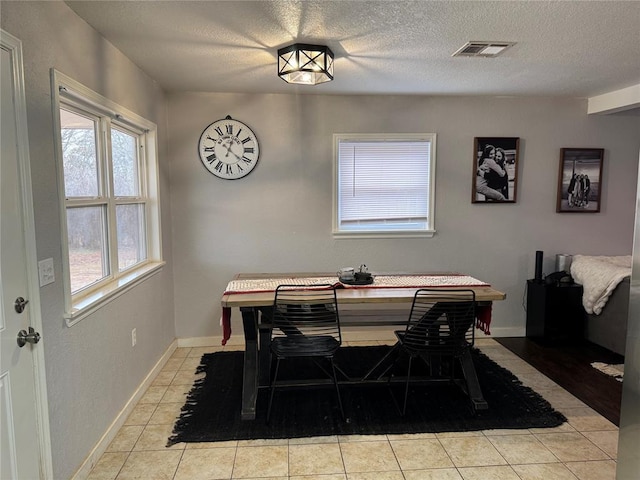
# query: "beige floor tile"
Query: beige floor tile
{"points": [[186, 377], [315, 459], [420, 454], [206, 464], [603, 470], [587, 419], [263, 442], [410, 436], [368, 457], [176, 394], [154, 437], [397, 475], [571, 447], [261, 462], [266, 478], [198, 352], [150, 465], [564, 428], [181, 352], [198, 445], [546, 471], [173, 364], [191, 364], [233, 348], [153, 394], [141, 414], [166, 413], [472, 452], [126, 438], [331, 476], [607, 441], [435, 474], [307, 440], [504, 472], [164, 378], [459, 434], [519, 449], [560, 399], [537, 381], [506, 431], [108, 466], [361, 438]]}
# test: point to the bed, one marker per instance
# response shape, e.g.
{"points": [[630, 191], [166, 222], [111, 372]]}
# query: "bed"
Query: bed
{"points": [[606, 282]]}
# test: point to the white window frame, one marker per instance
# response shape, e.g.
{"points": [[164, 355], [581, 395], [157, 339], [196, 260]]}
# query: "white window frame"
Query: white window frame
{"points": [[70, 94], [429, 231]]}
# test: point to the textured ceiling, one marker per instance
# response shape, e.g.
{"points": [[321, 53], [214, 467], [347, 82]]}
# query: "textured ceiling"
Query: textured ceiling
{"points": [[564, 48]]}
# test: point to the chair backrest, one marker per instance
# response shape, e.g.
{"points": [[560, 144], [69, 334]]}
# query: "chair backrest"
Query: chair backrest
{"points": [[441, 320], [309, 310]]}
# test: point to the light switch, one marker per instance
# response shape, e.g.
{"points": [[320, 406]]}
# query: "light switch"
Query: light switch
{"points": [[45, 271]]}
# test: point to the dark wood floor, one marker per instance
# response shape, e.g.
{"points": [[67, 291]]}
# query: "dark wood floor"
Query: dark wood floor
{"points": [[570, 367]]}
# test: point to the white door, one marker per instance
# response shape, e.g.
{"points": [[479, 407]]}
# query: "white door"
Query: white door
{"points": [[19, 416]]}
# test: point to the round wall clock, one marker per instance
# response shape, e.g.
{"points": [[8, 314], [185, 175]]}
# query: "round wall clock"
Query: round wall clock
{"points": [[229, 149]]}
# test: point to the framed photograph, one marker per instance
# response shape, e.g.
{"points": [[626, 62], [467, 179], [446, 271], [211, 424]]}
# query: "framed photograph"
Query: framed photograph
{"points": [[580, 180], [495, 169]]}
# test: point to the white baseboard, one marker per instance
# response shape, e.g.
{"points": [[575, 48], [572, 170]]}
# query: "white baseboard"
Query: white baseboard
{"points": [[214, 341], [85, 469], [505, 332]]}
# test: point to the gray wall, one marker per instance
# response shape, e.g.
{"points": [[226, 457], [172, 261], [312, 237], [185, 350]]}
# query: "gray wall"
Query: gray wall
{"points": [[91, 368], [278, 218]]}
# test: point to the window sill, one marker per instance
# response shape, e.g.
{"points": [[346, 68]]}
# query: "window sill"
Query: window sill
{"points": [[97, 299], [390, 234]]}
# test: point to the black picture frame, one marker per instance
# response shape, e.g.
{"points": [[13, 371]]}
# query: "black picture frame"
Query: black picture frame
{"points": [[580, 180], [495, 169]]}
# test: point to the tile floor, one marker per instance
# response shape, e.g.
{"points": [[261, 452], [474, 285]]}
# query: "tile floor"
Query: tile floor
{"points": [[584, 448]]}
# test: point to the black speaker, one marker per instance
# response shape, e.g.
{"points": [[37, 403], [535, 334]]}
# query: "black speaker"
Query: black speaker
{"points": [[538, 276]]}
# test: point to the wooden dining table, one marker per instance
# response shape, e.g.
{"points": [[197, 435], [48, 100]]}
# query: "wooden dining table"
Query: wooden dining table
{"points": [[253, 295]]}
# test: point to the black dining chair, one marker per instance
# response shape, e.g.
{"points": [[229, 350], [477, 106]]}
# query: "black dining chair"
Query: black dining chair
{"points": [[305, 323], [439, 331]]}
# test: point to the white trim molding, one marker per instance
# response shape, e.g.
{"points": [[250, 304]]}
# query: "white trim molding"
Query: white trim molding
{"points": [[616, 101]]}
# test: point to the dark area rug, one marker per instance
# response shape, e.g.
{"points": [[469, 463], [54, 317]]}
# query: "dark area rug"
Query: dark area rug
{"points": [[212, 410]]}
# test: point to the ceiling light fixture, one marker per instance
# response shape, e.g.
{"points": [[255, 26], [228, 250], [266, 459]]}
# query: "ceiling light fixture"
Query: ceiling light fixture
{"points": [[305, 64]]}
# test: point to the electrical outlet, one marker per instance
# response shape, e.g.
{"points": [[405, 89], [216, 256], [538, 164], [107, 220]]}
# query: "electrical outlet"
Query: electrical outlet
{"points": [[134, 340], [45, 272]]}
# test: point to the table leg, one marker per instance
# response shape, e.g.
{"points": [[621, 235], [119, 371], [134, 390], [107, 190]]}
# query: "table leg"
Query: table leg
{"points": [[473, 386], [264, 373], [250, 372]]}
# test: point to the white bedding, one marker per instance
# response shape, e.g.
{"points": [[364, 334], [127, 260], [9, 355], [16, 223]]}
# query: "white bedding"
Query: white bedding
{"points": [[599, 276]]}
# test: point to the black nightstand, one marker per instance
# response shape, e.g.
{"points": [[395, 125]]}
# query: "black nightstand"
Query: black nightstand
{"points": [[554, 312]]}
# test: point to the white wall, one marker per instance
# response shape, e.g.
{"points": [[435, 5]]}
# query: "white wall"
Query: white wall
{"points": [[92, 370], [278, 218]]}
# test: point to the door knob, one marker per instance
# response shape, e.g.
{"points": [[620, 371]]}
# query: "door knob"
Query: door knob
{"points": [[25, 337], [20, 304]]}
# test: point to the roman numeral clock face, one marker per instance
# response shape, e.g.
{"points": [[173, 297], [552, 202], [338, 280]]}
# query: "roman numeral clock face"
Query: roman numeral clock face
{"points": [[228, 149]]}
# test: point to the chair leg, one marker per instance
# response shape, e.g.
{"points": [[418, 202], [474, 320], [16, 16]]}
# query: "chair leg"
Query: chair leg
{"points": [[273, 388], [335, 382], [406, 387]]}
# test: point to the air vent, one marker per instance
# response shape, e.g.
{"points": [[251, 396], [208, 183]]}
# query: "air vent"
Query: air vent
{"points": [[482, 49]]}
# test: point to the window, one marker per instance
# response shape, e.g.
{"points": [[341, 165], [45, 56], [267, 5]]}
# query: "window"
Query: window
{"points": [[384, 184], [107, 170]]}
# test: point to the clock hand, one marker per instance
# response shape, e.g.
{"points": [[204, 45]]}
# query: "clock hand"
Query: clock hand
{"points": [[229, 151]]}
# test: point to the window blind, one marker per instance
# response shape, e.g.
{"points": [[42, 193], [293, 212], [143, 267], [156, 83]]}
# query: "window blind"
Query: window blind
{"points": [[383, 185]]}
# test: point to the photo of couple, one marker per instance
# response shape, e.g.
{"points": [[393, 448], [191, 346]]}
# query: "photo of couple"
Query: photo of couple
{"points": [[495, 169]]}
